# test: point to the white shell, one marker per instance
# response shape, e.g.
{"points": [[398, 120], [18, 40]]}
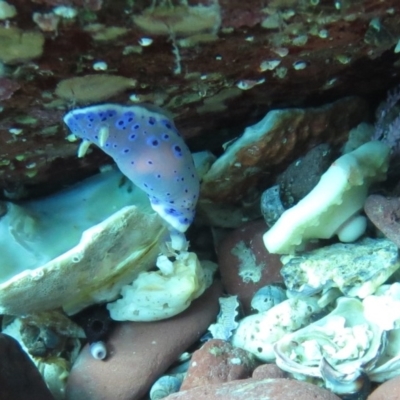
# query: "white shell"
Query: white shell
{"points": [[383, 309], [78, 269], [258, 333], [156, 295], [344, 337], [356, 269], [98, 350], [165, 386]]}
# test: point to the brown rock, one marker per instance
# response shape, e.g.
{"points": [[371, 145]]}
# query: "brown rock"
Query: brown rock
{"points": [[19, 377], [245, 264], [282, 135], [384, 213], [139, 352], [205, 97], [218, 362], [252, 389], [268, 371], [389, 390]]}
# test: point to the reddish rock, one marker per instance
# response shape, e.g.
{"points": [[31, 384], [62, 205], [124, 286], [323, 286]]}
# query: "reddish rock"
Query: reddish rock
{"points": [[389, 390], [279, 138], [19, 377], [252, 389], [245, 264], [218, 362], [203, 91], [139, 352], [268, 371], [384, 213]]}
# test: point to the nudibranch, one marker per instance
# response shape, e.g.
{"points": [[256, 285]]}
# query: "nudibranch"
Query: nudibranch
{"points": [[149, 150]]}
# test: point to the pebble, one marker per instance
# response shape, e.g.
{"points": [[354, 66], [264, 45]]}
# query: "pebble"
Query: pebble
{"points": [[217, 361], [268, 371], [139, 352], [253, 389], [302, 175], [389, 390], [384, 213], [245, 264], [19, 378], [356, 269]]}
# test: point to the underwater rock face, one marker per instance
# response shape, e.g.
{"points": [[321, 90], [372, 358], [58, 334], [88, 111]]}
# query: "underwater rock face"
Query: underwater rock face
{"points": [[218, 66], [139, 352]]}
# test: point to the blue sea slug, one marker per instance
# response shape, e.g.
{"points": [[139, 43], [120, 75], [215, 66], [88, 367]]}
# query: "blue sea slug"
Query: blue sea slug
{"points": [[149, 150]]}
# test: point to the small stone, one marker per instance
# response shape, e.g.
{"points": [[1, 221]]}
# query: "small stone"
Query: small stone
{"points": [[245, 265], [271, 205], [139, 352], [252, 389], [19, 378], [303, 174], [218, 362], [389, 390], [357, 269], [384, 213], [268, 371]]}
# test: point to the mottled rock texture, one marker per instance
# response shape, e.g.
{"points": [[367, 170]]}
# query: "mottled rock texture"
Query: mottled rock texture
{"points": [[214, 74], [218, 362], [384, 213], [268, 371]]}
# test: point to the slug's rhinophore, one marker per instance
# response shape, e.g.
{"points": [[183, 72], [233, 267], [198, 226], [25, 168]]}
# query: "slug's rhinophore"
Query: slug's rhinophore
{"points": [[148, 149]]}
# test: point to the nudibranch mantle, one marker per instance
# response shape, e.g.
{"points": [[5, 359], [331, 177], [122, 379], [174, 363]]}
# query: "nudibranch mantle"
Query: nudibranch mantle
{"points": [[149, 150]]}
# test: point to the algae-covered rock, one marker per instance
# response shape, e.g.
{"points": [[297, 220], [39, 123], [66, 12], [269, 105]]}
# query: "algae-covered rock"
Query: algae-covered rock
{"points": [[17, 46], [93, 88]]}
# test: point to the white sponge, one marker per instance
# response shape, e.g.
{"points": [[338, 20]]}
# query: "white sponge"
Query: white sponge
{"points": [[338, 197]]}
